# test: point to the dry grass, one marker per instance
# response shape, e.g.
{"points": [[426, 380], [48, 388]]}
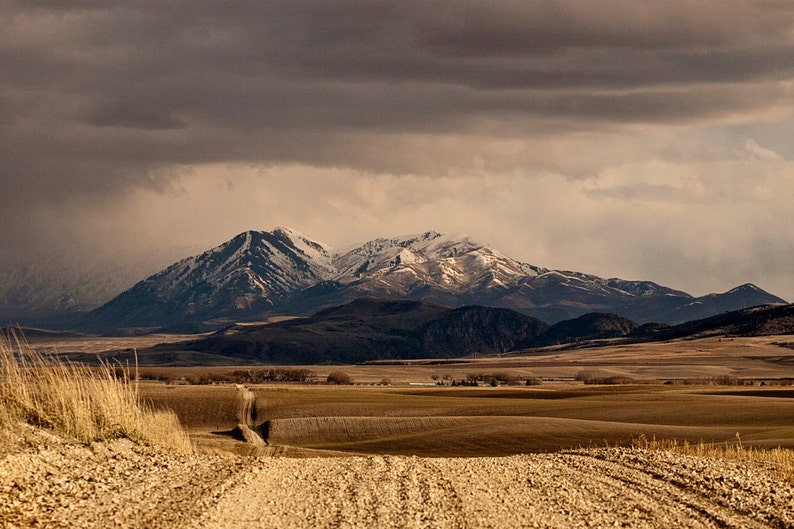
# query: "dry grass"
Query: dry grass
{"points": [[779, 459], [88, 404]]}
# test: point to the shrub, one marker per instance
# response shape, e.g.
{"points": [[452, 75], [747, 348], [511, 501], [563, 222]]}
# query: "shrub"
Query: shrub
{"points": [[339, 378], [585, 376], [506, 378], [88, 404]]}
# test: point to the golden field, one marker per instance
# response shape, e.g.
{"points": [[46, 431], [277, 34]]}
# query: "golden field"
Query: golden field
{"points": [[665, 393], [667, 398], [700, 454]]}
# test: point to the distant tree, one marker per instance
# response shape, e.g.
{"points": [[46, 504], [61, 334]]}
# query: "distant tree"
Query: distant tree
{"points": [[339, 378], [506, 378]]}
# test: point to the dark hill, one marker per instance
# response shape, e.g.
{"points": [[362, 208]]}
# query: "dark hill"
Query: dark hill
{"points": [[593, 326], [370, 329], [755, 321]]}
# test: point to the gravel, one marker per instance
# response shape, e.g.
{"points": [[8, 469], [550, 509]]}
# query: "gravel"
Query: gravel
{"points": [[46, 481]]}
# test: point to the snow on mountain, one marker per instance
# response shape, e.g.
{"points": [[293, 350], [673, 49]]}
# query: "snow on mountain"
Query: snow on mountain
{"points": [[247, 275], [382, 253], [283, 271], [453, 264]]}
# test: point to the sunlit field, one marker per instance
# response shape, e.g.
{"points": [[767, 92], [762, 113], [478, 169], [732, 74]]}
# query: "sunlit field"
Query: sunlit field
{"points": [[672, 390]]}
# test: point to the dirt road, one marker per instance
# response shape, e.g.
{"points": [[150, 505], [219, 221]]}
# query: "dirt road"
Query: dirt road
{"points": [[596, 488], [51, 483]]}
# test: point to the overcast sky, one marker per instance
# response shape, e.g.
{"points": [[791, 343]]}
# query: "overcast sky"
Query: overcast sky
{"points": [[642, 140]]}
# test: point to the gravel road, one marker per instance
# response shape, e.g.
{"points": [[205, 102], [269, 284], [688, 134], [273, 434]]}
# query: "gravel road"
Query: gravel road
{"points": [[593, 488], [47, 482]]}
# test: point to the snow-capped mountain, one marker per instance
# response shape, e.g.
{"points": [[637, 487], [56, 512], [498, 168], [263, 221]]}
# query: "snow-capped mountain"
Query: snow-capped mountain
{"points": [[429, 265], [285, 272], [250, 274]]}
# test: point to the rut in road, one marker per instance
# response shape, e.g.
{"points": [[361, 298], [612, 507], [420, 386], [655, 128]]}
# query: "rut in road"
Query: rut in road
{"points": [[592, 488], [245, 418]]}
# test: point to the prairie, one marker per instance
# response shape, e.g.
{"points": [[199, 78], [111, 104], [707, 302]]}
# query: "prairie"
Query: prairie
{"points": [[667, 392]]}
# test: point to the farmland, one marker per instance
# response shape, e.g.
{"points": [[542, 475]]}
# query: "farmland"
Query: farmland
{"points": [[668, 392], [552, 469]]}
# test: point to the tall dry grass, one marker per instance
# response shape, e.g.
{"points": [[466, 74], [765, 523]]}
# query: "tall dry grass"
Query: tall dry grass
{"points": [[86, 403], [780, 459]]}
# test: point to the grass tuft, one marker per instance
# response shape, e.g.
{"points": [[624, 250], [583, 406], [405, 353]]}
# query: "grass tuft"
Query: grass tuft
{"points": [[780, 459], [87, 403]]}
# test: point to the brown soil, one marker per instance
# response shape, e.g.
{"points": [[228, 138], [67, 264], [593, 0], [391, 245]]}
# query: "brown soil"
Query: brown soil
{"points": [[48, 482]]}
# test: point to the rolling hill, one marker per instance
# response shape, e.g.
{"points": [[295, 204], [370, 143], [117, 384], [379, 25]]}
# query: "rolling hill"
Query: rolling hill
{"points": [[369, 329]]}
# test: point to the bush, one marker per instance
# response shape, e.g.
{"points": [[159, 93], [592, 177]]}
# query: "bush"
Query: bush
{"points": [[506, 378], [339, 378], [88, 404]]}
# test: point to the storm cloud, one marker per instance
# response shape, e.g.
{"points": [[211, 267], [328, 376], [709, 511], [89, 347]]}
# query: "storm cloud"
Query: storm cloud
{"points": [[643, 139]]}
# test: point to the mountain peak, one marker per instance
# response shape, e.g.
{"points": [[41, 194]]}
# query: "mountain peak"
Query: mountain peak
{"points": [[747, 287], [753, 292], [387, 253], [285, 231], [285, 272]]}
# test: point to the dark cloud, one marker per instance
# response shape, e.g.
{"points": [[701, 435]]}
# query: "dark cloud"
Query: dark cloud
{"points": [[101, 99]]}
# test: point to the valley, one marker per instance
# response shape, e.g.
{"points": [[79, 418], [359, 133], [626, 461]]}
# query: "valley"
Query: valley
{"points": [[580, 396]]}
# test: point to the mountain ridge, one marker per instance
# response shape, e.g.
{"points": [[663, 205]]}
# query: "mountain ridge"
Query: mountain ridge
{"points": [[258, 273], [370, 329]]}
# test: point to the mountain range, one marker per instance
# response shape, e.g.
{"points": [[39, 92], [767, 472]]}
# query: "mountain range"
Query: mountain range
{"points": [[283, 272], [369, 329]]}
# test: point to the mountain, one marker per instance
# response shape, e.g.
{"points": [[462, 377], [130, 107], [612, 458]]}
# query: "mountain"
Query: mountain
{"points": [[430, 266], [285, 272], [249, 274], [377, 329], [741, 297], [365, 330], [762, 320]]}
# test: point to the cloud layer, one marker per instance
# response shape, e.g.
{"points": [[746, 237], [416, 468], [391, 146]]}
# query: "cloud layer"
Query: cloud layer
{"points": [[649, 140]]}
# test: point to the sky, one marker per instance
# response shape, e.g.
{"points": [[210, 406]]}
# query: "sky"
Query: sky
{"points": [[635, 139]]}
